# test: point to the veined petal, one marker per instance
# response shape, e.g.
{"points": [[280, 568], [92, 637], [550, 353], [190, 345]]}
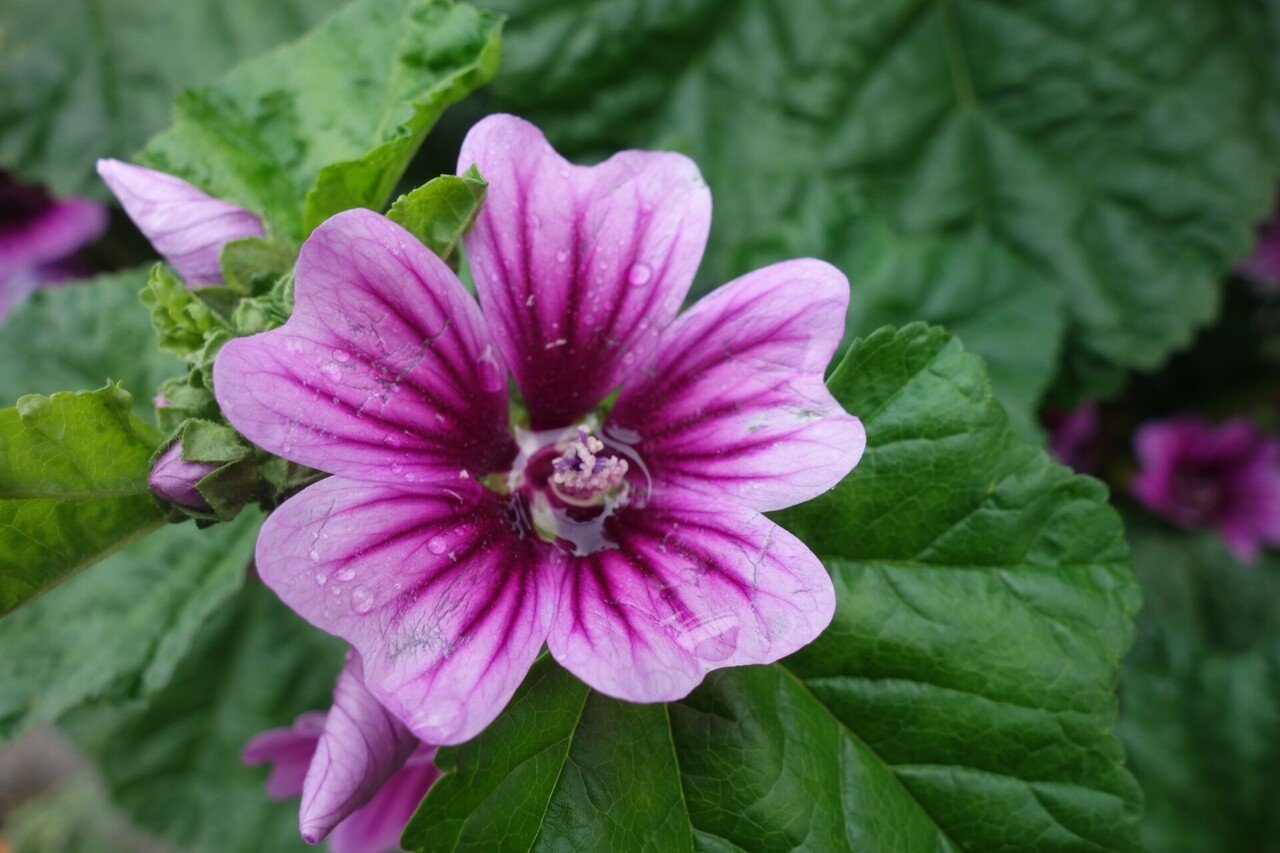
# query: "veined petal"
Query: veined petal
{"points": [[378, 825], [185, 224], [384, 372], [691, 586], [579, 269], [362, 747], [445, 600], [289, 752], [734, 402]]}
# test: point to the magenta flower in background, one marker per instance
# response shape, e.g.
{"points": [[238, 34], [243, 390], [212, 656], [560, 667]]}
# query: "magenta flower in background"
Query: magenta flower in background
{"points": [[1264, 264], [38, 236], [1224, 477], [184, 224], [1073, 434], [446, 550], [360, 772]]}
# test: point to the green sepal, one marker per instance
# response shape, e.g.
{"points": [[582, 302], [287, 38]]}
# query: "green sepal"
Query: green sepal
{"points": [[182, 401], [286, 478], [227, 488], [252, 265], [181, 320], [440, 211], [267, 311]]}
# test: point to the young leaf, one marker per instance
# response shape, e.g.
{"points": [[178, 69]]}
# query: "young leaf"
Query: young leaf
{"points": [[330, 122], [961, 699], [182, 322], [81, 336], [73, 486], [79, 81], [1081, 172], [134, 618], [174, 765], [440, 211]]}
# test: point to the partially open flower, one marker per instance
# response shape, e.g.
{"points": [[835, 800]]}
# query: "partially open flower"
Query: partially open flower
{"points": [[448, 547], [184, 224], [1224, 477], [38, 234], [174, 478], [360, 772]]}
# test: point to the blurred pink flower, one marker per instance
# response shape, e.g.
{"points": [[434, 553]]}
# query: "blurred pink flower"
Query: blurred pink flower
{"points": [[1224, 477], [1072, 435], [360, 772], [38, 235]]}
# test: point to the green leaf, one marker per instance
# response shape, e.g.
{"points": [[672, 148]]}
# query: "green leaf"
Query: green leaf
{"points": [[1200, 695], [962, 698], [331, 122], [1041, 177], [440, 211], [175, 765], [81, 79], [73, 487], [116, 633], [81, 336]]}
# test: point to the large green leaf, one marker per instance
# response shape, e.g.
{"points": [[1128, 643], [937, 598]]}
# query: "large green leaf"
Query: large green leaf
{"points": [[174, 766], [82, 79], [1016, 171], [115, 633], [331, 122], [961, 699], [81, 336], [73, 486], [1200, 695]]}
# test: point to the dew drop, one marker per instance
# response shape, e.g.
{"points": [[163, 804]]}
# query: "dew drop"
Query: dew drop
{"points": [[341, 356], [396, 467], [346, 574], [361, 600], [315, 556], [562, 256], [392, 440], [321, 578], [331, 370], [639, 274], [436, 545]]}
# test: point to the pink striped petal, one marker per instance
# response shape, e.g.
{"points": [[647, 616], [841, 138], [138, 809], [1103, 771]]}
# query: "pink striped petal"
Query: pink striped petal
{"points": [[289, 752], [445, 600], [186, 225], [362, 747], [579, 269], [734, 402], [691, 586], [378, 825], [384, 372]]}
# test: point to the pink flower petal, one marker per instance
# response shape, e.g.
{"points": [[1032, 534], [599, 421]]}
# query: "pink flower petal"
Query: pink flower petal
{"points": [[734, 401], [579, 268], [447, 604], [362, 747], [384, 372], [185, 224], [691, 586], [378, 826], [289, 751]]}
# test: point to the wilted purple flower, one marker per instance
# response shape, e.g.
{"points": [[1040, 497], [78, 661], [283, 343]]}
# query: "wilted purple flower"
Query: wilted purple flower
{"points": [[38, 234], [1223, 477], [1072, 435], [1264, 264], [445, 550], [174, 479], [184, 224], [360, 772]]}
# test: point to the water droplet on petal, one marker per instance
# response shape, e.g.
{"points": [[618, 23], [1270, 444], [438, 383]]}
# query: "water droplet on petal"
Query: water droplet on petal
{"points": [[361, 600], [341, 356], [562, 256], [321, 577], [346, 574], [315, 558], [331, 370], [640, 274], [396, 467], [436, 545]]}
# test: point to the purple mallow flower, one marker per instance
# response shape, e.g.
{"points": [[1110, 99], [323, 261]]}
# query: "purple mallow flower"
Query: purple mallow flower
{"points": [[1263, 265], [1224, 477], [174, 478], [448, 547], [183, 223], [1073, 435], [360, 772], [38, 235]]}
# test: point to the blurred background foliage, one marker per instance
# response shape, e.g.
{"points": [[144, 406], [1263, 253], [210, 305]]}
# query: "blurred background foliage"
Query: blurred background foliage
{"points": [[1067, 185]]}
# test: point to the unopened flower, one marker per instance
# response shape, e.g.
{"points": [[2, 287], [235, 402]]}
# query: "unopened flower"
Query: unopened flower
{"points": [[1073, 436], [448, 547], [174, 479], [1224, 477], [184, 224], [360, 772], [38, 236]]}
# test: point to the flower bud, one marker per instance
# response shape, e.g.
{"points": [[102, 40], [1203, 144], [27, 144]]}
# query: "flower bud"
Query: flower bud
{"points": [[174, 479]]}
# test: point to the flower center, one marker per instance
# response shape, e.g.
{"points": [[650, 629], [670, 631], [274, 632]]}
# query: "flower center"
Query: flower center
{"points": [[584, 475]]}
